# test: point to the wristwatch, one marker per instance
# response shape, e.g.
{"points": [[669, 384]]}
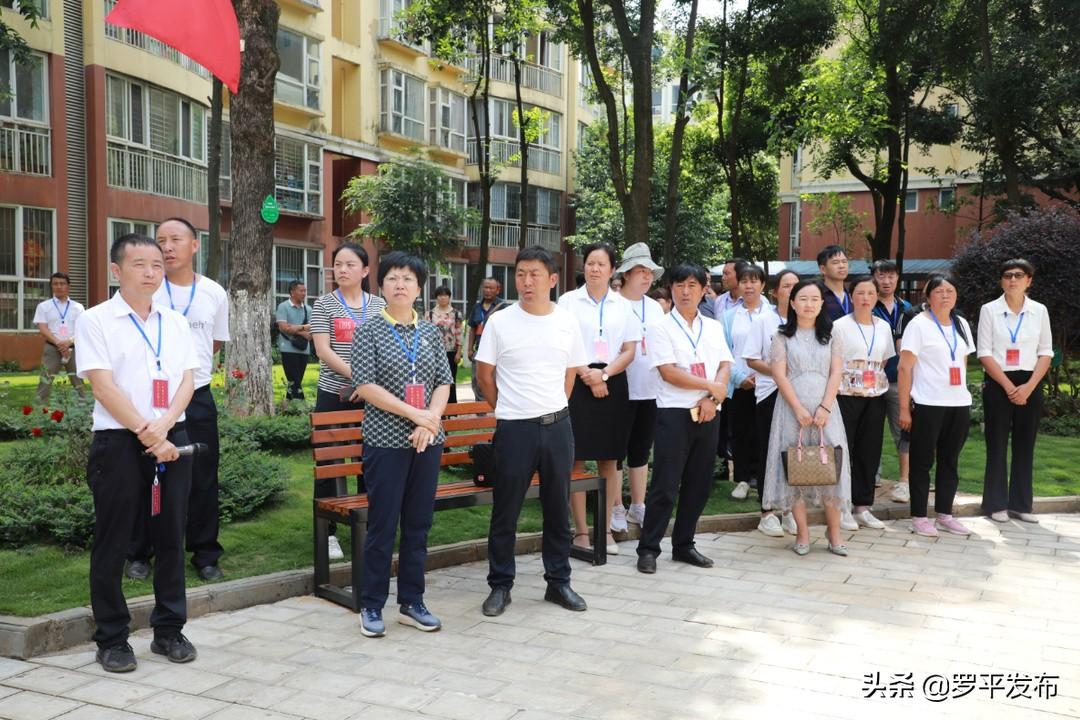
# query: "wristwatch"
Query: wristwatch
{"points": [[604, 376]]}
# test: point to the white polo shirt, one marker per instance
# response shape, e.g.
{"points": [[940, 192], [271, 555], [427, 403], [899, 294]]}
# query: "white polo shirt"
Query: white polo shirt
{"points": [[997, 324], [641, 376], [108, 339], [604, 325], [865, 349], [671, 342], [741, 328], [59, 317], [759, 347], [930, 383], [207, 313], [531, 354]]}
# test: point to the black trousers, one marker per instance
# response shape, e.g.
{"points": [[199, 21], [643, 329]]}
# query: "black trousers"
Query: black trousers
{"points": [[524, 447], [200, 419], [683, 457], [723, 435], [763, 413], [744, 435], [326, 401], [864, 420], [295, 365], [937, 433], [453, 373], [120, 477], [401, 488], [1005, 487]]}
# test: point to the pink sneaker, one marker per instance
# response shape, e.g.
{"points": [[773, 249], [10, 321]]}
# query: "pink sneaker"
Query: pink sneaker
{"points": [[923, 526], [951, 525]]}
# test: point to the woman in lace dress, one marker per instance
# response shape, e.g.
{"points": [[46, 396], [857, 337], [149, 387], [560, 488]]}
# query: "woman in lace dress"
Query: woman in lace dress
{"points": [[806, 366]]}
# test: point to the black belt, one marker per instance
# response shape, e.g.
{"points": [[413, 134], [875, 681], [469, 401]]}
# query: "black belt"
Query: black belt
{"points": [[550, 418]]}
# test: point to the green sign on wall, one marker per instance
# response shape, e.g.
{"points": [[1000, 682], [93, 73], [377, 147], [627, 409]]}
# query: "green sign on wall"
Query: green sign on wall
{"points": [[271, 211]]}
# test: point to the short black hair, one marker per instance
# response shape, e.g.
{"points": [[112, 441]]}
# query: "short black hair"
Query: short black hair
{"points": [[684, 271], [737, 261], [536, 252], [884, 266], [605, 247], [828, 253], [120, 245], [1018, 264], [859, 280], [750, 270], [182, 221], [400, 260], [62, 276], [293, 284], [442, 290]]}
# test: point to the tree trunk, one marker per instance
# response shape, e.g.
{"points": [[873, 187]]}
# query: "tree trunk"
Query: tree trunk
{"points": [[523, 149], [249, 380], [480, 95], [671, 201], [213, 184]]}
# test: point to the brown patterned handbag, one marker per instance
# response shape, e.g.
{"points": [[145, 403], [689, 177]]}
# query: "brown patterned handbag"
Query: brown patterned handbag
{"points": [[813, 466]]}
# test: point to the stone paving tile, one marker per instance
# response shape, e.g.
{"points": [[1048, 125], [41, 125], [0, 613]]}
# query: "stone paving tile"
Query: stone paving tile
{"points": [[34, 706]]}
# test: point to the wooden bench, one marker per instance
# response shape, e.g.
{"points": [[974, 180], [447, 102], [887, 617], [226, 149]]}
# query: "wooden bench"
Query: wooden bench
{"points": [[337, 449]]}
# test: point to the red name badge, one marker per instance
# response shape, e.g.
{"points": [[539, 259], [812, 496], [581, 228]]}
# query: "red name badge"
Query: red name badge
{"points": [[697, 369], [600, 350], [160, 394], [62, 332], [155, 497], [1012, 357], [869, 379], [644, 349], [414, 395], [954, 376], [343, 329]]}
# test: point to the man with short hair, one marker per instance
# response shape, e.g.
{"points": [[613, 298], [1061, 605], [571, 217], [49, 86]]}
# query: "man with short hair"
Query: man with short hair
{"points": [[294, 338], [893, 310], [833, 264], [139, 358], [732, 295], [526, 364], [55, 319], [490, 302]]}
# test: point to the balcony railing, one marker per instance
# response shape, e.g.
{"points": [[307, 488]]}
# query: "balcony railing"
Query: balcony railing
{"points": [[390, 28], [151, 45], [533, 76], [152, 172], [25, 149], [505, 235], [504, 151]]}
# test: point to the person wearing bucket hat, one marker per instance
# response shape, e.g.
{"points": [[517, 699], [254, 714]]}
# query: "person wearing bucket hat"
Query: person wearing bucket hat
{"points": [[639, 272]]}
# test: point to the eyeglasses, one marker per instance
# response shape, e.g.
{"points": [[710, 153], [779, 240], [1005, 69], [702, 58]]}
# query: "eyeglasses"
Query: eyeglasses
{"points": [[1018, 275]]}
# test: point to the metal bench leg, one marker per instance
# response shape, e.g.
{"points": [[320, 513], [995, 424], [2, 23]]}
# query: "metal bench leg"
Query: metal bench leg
{"points": [[322, 552], [598, 499], [358, 528]]}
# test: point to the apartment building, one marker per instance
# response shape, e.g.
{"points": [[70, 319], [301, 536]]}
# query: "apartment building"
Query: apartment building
{"points": [[105, 132]]}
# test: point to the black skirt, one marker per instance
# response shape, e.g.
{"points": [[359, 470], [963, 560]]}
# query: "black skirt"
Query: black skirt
{"points": [[601, 425]]}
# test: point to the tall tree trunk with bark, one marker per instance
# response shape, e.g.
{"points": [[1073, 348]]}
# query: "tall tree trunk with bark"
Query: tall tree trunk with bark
{"points": [[523, 145], [251, 110], [213, 184], [671, 201], [480, 96]]}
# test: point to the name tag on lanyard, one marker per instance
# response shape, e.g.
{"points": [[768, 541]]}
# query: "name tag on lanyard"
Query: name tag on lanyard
{"points": [[869, 379], [159, 396], [1012, 357], [414, 395], [62, 332], [697, 369], [600, 349], [954, 375], [344, 329]]}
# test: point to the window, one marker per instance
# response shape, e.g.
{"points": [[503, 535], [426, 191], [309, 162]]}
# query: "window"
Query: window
{"points": [[551, 132], [947, 199], [297, 175], [673, 100], [118, 228], [796, 164], [149, 116], [657, 101], [298, 75], [23, 88], [545, 204], [27, 259], [390, 12], [41, 5], [582, 136], [794, 231], [297, 263], [544, 51], [402, 109], [203, 257], [911, 201], [505, 275], [447, 119], [952, 110], [453, 275]]}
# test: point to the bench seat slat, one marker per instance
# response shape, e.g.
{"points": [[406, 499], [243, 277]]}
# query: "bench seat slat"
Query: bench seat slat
{"points": [[327, 472], [338, 452], [336, 435], [469, 423], [337, 417]]}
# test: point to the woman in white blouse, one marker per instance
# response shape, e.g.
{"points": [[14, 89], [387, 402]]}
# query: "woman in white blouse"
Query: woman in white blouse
{"points": [[1015, 349]]}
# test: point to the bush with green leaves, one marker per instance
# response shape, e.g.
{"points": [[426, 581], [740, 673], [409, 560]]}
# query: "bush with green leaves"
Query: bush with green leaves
{"points": [[276, 433]]}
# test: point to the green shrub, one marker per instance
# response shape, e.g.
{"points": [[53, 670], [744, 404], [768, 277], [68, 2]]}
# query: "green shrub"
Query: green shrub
{"points": [[1062, 417], [248, 478], [269, 432]]}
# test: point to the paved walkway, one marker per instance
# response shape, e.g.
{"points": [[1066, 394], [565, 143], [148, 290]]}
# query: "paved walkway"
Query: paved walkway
{"points": [[765, 634]]}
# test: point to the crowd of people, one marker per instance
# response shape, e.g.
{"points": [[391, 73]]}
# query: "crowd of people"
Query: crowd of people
{"points": [[638, 364]]}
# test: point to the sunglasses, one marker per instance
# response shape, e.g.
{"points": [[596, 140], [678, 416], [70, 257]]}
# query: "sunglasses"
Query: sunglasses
{"points": [[1018, 275]]}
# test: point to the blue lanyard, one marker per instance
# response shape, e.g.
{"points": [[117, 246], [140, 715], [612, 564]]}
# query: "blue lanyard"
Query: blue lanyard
{"points": [[873, 336], [157, 352], [693, 343], [410, 356], [1013, 334], [640, 317], [363, 309], [67, 306], [955, 341], [601, 304], [191, 297]]}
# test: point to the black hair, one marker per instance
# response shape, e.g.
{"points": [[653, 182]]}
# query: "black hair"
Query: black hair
{"points": [[684, 271], [62, 276], [1018, 264], [579, 279], [858, 280], [182, 221], [361, 253], [737, 262], [120, 245], [442, 290], [293, 284], [933, 283], [749, 270], [778, 276], [604, 246], [822, 325], [536, 252], [828, 253], [660, 293], [400, 260], [884, 266]]}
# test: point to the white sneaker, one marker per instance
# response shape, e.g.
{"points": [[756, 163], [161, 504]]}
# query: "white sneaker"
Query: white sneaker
{"points": [[789, 525], [618, 518], [900, 493], [847, 522], [865, 519], [335, 548], [613, 547], [877, 478], [1001, 516], [741, 491], [636, 514], [770, 526]]}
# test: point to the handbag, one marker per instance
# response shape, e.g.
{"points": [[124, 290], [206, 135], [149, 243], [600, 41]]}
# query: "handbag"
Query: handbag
{"points": [[810, 466], [483, 457], [298, 342]]}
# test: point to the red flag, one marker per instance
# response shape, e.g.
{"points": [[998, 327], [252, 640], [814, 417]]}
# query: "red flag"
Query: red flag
{"points": [[204, 30]]}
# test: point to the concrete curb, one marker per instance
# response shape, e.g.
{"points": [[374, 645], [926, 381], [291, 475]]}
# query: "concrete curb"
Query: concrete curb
{"points": [[25, 637]]}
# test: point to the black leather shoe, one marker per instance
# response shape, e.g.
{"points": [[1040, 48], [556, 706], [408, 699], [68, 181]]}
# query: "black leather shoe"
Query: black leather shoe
{"points": [[691, 556], [646, 563], [175, 647], [210, 572], [496, 602], [565, 596], [138, 570], [117, 659]]}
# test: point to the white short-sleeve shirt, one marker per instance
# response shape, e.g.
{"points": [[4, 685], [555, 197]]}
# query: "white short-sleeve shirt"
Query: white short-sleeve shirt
{"points": [[60, 317], [602, 341], [671, 341], [865, 350], [743, 322], [997, 324], [107, 339], [207, 313], [641, 376], [759, 347], [531, 354], [930, 383]]}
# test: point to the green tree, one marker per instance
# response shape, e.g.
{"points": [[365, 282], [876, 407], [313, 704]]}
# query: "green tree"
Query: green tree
{"points": [[11, 41], [411, 208], [832, 211]]}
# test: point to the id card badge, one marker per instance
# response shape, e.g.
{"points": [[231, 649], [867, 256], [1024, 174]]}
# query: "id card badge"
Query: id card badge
{"points": [[697, 369], [1012, 357], [155, 497], [644, 348], [63, 333], [954, 375], [343, 329], [600, 349], [869, 379], [160, 394], [414, 395]]}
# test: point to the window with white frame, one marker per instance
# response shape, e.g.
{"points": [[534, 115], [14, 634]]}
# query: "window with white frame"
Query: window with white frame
{"points": [[298, 76], [297, 263], [42, 6], [402, 107], [390, 12], [27, 259], [118, 227], [544, 51], [794, 231], [447, 119], [24, 88], [453, 275], [911, 201], [148, 116], [551, 131], [298, 175], [582, 136], [545, 204], [947, 199], [505, 275]]}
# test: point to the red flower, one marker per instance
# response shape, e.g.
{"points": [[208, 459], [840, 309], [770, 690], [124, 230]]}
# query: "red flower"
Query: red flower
{"points": [[57, 415], [36, 432], [45, 411], [26, 409], [239, 374]]}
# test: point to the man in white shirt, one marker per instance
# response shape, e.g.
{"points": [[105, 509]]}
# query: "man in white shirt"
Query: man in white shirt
{"points": [[55, 319], [694, 362], [205, 305], [732, 295], [526, 363], [138, 357]]}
